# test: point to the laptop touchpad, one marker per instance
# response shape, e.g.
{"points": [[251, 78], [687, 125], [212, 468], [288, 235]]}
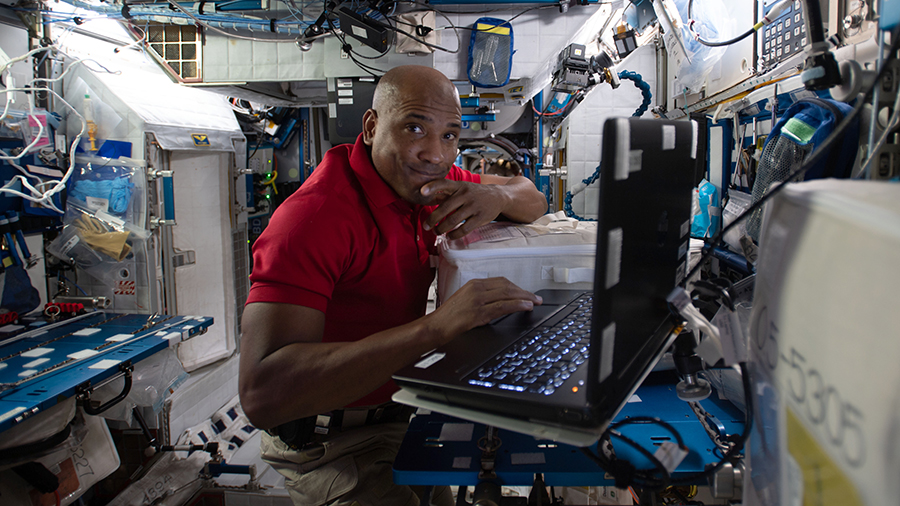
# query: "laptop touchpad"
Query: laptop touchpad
{"points": [[526, 318]]}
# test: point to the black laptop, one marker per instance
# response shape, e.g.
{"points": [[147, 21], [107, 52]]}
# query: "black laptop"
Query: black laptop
{"points": [[575, 360]]}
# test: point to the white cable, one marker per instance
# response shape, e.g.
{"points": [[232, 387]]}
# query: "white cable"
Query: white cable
{"points": [[38, 195], [46, 197], [21, 169], [6, 66], [37, 137], [31, 88]]}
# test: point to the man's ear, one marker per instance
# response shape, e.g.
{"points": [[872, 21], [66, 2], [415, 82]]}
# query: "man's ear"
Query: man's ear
{"points": [[370, 120]]}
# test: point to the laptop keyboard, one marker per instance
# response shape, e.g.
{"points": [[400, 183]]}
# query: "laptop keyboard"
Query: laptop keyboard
{"points": [[544, 358]]}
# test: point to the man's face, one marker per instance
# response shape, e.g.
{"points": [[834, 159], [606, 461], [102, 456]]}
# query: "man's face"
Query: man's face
{"points": [[414, 142]]}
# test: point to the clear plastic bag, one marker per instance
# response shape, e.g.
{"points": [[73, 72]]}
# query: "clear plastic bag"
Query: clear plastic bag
{"points": [[738, 202], [114, 186], [153, 381], [712, 21], [95, 241]]}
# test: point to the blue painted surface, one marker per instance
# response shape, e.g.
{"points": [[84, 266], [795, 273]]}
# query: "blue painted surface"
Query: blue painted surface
{"points": [[58, 377], [889, 14], [418, 464], [479, 117], [168, 197]]}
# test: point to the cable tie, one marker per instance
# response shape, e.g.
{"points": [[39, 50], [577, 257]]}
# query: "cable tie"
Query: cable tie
{"points": [[78, 21], [125, 12], [200, 7], [272, 25]]}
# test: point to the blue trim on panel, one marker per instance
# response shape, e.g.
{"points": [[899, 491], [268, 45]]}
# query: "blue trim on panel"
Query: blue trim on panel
{"points": [[168, 198], [479, 117]]}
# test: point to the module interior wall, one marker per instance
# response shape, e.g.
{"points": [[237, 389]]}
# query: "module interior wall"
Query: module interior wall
{"points": [[585, 136], [537, 36], [206, 287]]}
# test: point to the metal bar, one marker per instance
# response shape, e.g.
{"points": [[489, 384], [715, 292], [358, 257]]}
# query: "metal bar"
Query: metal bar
{"points": [[479, 117], [167, 245], [876, 97], [303, 143], [543, 181]]}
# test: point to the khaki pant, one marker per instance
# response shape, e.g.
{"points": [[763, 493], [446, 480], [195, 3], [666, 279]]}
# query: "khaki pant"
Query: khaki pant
{"points": [[353, 468]]}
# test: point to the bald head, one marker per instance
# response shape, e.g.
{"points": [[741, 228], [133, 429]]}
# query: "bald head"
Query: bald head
{"points": [[412, 81], [412, 130]]}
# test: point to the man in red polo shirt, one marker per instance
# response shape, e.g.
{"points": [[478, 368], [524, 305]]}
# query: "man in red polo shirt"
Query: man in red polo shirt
{"points": [[340, 282]]}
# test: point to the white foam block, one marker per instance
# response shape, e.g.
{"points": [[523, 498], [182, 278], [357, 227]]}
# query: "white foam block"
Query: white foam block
{"points": [[104, 364], [118, 338], [86, 332], [35, 363], [78, 355], [37, 352]]}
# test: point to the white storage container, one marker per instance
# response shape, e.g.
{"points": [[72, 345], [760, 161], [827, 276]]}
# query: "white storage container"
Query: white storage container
{"points": [[87, 456], [824, 347], [552, 252]]}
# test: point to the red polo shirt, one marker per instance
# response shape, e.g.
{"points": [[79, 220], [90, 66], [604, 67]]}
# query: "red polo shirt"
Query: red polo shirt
{"points": [[346, 244]]}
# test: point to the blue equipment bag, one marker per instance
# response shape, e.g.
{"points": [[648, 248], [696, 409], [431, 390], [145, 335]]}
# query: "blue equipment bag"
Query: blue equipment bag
{"points": [[490, 53], [799, 132], [809, 122]]}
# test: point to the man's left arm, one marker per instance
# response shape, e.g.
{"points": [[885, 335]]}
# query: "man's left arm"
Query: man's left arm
{"points": [[464, 206]]}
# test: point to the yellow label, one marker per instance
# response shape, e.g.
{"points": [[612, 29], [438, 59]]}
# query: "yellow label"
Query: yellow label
{"points": [[824, 483], [200, 139], [499, 30]]}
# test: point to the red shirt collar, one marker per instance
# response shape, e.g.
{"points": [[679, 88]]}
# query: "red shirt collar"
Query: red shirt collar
{"points": [[376, 189]]}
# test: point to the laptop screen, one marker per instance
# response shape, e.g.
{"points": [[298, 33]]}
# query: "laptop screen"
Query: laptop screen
{"points": [[642, 245]]}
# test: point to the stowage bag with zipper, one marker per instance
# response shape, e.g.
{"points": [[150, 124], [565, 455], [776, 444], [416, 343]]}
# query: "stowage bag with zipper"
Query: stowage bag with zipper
{"points": [[802, 129]]}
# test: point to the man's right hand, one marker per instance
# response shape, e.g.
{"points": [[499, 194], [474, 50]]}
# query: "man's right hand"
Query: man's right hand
{"points": [[287, 372], [477, 303]]}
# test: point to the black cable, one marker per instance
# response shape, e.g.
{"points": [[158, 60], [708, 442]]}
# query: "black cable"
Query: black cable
{"points": [[483, 11], [657, 465], [813, 157], [725, 42], [420, 41], [349, 49], [715, 43], [258, 144], [814, 21], [626, 474], [647, 419], [551, 6]]}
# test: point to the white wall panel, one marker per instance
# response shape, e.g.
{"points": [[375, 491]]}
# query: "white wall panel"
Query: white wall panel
{"points": [[586, 124]]}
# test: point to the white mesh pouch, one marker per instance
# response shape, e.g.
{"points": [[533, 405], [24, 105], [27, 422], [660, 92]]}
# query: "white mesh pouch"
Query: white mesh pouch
{"points": [[490, 53], [780, 158]]}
